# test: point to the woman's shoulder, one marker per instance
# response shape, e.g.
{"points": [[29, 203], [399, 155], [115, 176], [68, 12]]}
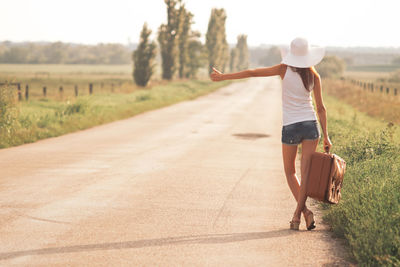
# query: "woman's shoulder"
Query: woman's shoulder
{"points": [[283, 68], [314, 71]]}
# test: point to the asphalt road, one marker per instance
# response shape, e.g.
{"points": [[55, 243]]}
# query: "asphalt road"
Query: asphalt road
{"points": [[199, 183]]}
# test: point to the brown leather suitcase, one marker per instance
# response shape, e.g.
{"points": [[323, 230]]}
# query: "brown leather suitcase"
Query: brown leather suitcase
{"points": [[325, 177]]}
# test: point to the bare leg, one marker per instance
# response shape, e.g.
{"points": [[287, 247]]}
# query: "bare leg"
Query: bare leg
{"points": [[289, 153], [308, 147]]}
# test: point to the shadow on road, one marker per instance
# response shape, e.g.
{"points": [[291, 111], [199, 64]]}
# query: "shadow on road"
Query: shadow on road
{"points": [[181, 240], [250, 136]]}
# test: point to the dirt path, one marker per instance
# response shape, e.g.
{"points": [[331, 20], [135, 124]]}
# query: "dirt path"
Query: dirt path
{"points": [[198, 183]]}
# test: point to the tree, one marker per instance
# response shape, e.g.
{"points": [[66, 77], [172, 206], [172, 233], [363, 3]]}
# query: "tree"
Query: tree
{"points": [[143, 58], [184, 23], [62, 53], [167, 34], [272, 57], [196, 55], [395, 77], [331, 66], [233, 62], [243, 52], [217, 46]]}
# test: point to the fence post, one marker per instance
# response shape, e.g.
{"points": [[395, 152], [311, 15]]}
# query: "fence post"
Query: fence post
{"points": [[365, 85], [76, 90], [90, 88], [44, 91], [19, 92], [395, 91], [27, 92], [387, 90], [372, 87], [381, 88]]}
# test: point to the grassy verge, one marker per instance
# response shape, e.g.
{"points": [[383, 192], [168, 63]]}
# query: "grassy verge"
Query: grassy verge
{"points": [[43, 118], [368, 216], [375, 104]]}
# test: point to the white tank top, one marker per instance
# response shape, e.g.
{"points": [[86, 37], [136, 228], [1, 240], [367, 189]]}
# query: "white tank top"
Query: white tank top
{"points": [[296, 100]]}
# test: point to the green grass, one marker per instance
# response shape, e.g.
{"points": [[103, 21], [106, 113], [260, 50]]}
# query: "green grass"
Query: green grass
{"points": [[368, 216], [42, 118]]}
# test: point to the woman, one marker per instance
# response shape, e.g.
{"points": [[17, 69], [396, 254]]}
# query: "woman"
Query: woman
{"points": [[300, 125]]}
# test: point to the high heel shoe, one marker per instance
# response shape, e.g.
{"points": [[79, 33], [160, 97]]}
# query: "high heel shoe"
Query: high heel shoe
{"points": [[294, 225], [309, 217]]}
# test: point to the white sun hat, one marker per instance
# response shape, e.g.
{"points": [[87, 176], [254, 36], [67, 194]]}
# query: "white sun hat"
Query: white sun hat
{"points": [[301, 54]]}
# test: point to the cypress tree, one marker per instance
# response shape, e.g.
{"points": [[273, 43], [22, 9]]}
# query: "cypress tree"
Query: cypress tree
{"points": [[233, 63], [217, 46], [184, 24], [243, 52], [167, 34], [196, 55], [143, 58]]}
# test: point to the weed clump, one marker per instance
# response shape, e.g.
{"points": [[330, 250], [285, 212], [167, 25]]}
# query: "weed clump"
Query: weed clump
{"points": [[8, 115]]}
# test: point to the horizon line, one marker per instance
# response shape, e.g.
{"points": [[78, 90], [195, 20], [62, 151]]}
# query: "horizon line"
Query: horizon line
{"points": [[231, 44]]}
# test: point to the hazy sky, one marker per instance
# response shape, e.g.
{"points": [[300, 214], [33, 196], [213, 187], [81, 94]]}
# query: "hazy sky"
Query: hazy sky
{"points": [[323, 22]]}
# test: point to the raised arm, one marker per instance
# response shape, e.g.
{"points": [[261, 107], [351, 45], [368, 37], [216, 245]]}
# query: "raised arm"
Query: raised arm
{"points": [[259, 72], [321, 110]]}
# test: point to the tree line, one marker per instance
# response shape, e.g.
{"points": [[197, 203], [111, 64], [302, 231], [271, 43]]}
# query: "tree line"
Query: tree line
{"points": [[182, 52], [63, 53]]}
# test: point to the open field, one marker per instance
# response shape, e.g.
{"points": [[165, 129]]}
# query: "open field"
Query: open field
{"points": [[368, 216], [104, 79], [376, 104], [367, 75], [54, 69], [373, 68]]}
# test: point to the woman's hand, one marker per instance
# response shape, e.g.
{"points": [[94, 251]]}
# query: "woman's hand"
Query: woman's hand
{"points": [[216, 75], [327, 144]]}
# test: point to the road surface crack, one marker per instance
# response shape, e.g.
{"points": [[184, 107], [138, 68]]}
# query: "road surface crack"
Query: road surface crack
{"points": [[229, 196]]}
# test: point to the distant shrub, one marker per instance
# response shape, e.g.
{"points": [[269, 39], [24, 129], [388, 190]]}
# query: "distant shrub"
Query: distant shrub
{"points": [[396, 61], [70, 109], [140, 98], [272, 57], [395, 77], [331, 66]]}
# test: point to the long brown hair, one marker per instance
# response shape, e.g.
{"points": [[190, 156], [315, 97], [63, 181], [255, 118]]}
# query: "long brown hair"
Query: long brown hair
{"points": [[307, 76]]}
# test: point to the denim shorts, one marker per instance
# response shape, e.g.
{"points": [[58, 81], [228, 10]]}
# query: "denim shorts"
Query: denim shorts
{"points": [[294, 134]]}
